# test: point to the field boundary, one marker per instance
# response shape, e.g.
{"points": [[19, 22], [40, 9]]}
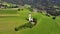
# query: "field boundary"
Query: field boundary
{"points": [[9, 15]]}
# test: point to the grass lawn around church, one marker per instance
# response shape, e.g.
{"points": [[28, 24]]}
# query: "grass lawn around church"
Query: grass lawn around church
{"points": [[45, 24]]}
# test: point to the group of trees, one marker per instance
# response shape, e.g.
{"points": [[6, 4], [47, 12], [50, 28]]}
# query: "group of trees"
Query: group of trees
{"points": [[51, 10], [27, 25], [46, 5], [6, 6], [32, 2]]}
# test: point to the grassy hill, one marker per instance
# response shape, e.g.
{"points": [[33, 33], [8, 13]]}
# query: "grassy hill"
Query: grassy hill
{"points": [[9, 12], [45, 25]]}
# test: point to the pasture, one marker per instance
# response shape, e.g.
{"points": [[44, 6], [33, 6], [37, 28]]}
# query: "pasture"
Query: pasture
{"points": [[45, 24]]}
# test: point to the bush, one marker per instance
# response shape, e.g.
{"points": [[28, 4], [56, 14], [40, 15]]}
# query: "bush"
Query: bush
{"points": [[18, 9], [54, 18]]}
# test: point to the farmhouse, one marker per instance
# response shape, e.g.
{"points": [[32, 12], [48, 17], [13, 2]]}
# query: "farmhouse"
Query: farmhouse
{"points": [[3, 6]]}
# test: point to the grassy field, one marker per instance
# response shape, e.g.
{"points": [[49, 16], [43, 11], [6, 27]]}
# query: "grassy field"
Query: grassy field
{"points": [[45, 25], [8, 11]]}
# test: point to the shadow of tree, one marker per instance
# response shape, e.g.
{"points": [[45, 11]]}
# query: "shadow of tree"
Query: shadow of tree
{"points": [[27, 25]]}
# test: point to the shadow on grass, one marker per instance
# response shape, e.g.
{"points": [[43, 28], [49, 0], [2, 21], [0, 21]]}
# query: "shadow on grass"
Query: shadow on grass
{"points": [[26, 25]]}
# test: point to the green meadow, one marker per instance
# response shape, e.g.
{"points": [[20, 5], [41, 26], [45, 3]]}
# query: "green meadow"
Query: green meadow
{"points": [[45, 24]]}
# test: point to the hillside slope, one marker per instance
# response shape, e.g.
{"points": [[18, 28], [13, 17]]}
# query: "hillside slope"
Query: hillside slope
{"points": [[56, 2]]}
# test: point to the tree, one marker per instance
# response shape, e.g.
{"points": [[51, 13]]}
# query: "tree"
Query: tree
{"points": [[18, 9], [54, 17]]}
